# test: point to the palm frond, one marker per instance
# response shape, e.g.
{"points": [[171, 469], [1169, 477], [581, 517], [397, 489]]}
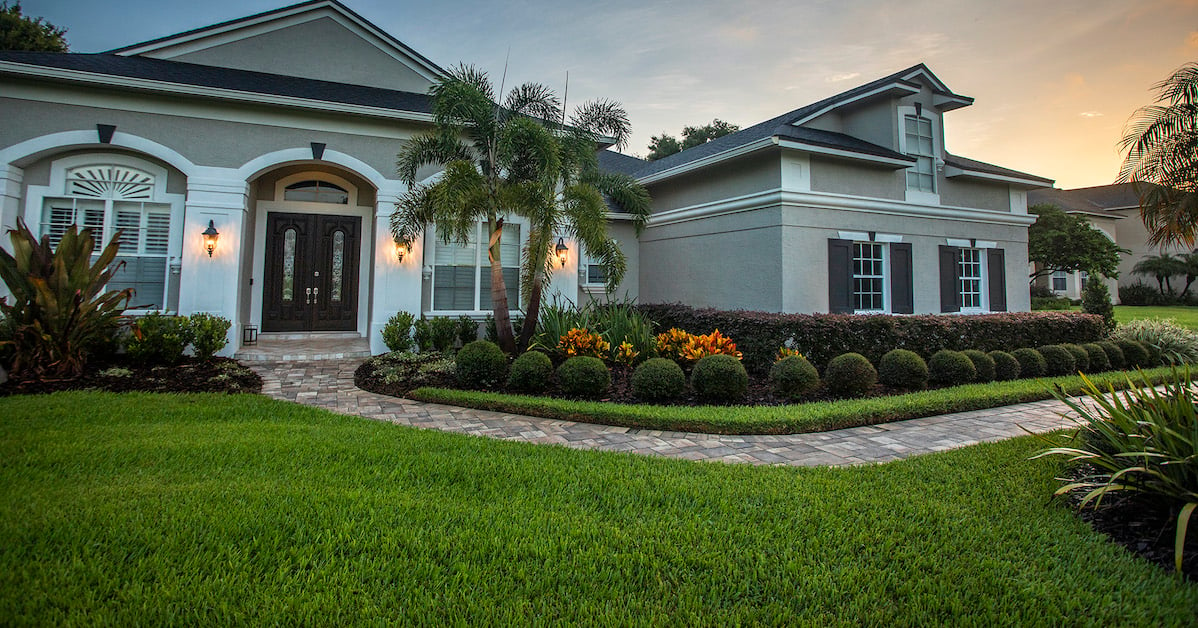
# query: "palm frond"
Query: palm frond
{"points": [[604, 118], [534, 100], [431, 149]]}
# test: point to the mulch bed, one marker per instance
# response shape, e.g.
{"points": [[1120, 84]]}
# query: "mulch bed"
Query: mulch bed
{"points": [[220, 375]]}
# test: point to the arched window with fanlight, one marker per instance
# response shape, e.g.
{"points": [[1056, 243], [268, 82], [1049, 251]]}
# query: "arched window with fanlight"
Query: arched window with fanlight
{"points": [[314, 191]]}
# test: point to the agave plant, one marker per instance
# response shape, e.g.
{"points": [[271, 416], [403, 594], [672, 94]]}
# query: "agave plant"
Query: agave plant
{"points": [[60, 311], [1142, 440]]}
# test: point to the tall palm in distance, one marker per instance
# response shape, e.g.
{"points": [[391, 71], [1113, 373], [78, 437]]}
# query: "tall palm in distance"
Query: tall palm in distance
{"points": [[1160, 267], [1161, 141]]}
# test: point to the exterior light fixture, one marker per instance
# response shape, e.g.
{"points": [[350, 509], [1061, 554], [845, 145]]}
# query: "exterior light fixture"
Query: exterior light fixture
{"points": [[402, 249], [211, 235], [562, 250]]}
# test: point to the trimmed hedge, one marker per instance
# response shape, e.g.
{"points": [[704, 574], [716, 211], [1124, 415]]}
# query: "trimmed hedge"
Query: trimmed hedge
{"points": [[793, 377], [720, 378], [583, 376], [1114, 354], [1031, 363], [822, 337], [1099, 362], [658, 379], [903, 369], [951, 368], [1134, 353], [481, 364], [850, 375], [1081, 358], [530, 372], [982, 363], [1006, 367]]}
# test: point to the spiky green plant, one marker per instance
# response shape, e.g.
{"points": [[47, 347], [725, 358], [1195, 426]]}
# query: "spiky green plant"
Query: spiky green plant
{"points": [[60, 310], [1177, 344]]}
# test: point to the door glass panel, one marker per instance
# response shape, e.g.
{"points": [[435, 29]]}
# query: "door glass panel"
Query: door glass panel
{"points": [[338, 265], [288, 264]]}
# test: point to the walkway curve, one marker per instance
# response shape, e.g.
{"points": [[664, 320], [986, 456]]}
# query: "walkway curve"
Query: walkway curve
{"points": [[330, 385]]}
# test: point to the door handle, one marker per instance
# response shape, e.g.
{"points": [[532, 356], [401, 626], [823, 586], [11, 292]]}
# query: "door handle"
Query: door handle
{"points": [[316, 295], [308, 296]]}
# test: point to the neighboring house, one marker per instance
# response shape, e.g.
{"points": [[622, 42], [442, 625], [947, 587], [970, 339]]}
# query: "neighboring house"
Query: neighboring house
{"points": [[280, 130]]}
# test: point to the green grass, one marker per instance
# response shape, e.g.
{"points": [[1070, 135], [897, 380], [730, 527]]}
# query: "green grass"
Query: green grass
{"points": [[216, 510], [1186, 316], [818, 416]]}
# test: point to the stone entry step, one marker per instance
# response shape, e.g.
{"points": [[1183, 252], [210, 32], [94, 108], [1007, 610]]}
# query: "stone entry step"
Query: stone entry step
{"points": [[273, 347]]}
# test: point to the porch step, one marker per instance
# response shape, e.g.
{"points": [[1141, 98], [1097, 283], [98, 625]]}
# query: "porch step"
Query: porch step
{"points": [[305, 347]]}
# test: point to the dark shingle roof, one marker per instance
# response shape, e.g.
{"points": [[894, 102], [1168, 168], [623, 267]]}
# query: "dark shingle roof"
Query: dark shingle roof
{"points": [[981, 166], [1097, 198], [611, 161], [225, 78]]}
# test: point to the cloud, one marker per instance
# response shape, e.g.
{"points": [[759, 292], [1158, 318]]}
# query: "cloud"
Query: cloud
{"points": [[1091, 114], [1192, 40], [843, 76]]}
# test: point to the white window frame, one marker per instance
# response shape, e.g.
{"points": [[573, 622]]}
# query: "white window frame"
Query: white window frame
{"points": [[982, 279], [1063, 277], [914, 195], [481, 264], [323, 177], [38, 196], [1083, 277], [884, 249], [584, 272]]}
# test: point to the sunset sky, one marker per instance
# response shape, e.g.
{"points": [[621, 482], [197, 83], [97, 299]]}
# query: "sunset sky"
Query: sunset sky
{"points": [[1054, 82]]}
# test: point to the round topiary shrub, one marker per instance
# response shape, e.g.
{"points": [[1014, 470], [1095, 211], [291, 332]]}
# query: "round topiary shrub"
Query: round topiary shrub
{"points": [[793, 377], [1057, 360], [658, 379], [903, 369], [583, 376], [1081, 359], [1114, 354], [1155, 357], [951, 368], [850, 375], [1098, 360], [1134, 353], [1031, 363], [720, 378], [480, 364], [1006, 367], [982, 363], [530, 372]]}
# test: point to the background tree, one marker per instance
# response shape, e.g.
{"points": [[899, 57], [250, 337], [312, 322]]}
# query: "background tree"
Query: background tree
{"points": [[19, 32], [1160, 267], [665, 144], [1096, 299], [1161, 141], [1065, 242]]}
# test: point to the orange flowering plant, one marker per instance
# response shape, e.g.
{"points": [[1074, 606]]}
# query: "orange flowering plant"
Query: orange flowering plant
{"points": [[681, 346], [625, 354], [582, 342], [786, 352]]}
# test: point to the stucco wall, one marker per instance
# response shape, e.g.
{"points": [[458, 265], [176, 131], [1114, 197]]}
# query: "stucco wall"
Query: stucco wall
{"points": [[958, 192], [1131, 234], [752, 174], [623, 232], [842, 177]]}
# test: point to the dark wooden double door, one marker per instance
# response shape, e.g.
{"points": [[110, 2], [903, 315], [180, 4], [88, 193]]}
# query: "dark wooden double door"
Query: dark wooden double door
{"points": [[311, 281]]}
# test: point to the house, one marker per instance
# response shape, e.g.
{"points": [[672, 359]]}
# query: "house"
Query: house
{"points": [[278, 132]]}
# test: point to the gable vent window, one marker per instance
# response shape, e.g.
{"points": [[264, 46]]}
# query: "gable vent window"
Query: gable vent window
{"points": [[921, 176], [316, 192]]}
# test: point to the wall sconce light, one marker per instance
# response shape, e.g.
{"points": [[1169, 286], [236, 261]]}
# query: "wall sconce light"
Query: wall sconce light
{"points": [[402, 249], [211, 235], [562, 250]]}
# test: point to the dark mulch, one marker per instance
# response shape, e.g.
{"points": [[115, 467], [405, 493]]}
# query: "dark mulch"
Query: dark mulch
{"points": [[220, 375]]}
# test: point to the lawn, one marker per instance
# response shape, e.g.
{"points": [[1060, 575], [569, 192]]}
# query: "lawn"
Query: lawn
{"points": [[213, 509], [1186, 316]]}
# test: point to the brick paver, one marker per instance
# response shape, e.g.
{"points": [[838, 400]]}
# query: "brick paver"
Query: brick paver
{"points": [[330, 385]]}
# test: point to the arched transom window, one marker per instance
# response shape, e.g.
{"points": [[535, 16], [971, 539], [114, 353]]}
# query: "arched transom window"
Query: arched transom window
{"points": [[314, 191]]}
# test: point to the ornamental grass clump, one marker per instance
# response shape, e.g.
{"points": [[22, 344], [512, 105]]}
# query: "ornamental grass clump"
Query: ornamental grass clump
{"points": [[720, 378], [1142, 441], [658, 379], [583, 376], [1006, 367], [951, 368], [530, 373], [903, 369], [1099, 362], [1177, 344], [1031, 363], [793, 376], [1057, 360], [982, 363], [850, 375], [481, 364]]}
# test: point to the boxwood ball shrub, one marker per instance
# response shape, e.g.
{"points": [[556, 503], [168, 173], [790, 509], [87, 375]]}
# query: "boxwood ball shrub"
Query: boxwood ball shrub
{"points": [[1081, 359], [1031, 363], [850, 375], [1155, 356], [720, 378], [903, 369], [982, 363], [481, 364], [583, 376], [1114, 354], [658, 379], [1006, 367], [951, 368], [793, 377], [1098, 358], [530, 372], [1057, 360], [1134, 353]]}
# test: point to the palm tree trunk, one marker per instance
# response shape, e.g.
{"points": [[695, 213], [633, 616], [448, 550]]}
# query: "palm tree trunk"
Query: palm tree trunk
{"points": [[503, 320], [530, 315]]}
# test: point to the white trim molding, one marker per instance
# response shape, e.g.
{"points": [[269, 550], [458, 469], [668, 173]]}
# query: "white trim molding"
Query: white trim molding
{"points": [[38, 147], [956, 171]]}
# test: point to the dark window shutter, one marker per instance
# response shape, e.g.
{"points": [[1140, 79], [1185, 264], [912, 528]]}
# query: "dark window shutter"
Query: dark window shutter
{"points": [[902, 288], [840, 276], [996, 276], [950, 279]]}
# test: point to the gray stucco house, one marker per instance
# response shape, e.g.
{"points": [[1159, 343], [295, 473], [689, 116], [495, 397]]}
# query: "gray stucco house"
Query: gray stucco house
{"points": [[280, 130]]}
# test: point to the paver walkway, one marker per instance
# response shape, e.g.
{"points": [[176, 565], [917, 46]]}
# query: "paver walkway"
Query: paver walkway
{"points": [[330, 385]]}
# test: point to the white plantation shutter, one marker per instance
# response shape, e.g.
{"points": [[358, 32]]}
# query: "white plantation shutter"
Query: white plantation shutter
{"points": [[462, 274], [158, 231]]}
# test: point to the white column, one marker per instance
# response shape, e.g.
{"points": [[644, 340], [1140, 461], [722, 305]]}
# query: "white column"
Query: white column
{"points": [[396, 284], [10, 207], [211, 284]]}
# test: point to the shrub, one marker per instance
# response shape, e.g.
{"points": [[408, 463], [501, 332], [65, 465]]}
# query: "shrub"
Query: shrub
{"points": [[491, 332], [583, 376], [442, 332], [617, 323], [951, 368], [982, 363], [209, 334], [1176, 344], [824, 336], [720, 378], [850, 375], [1081, 359], [580, 342], [397, 333], [530, 372], [467, 330], [1006, 367], [903, 369], [793, 376], [480, 364], [1031, 363], [1096, 299], [1114, 354], [686, 348], [422, 335], [1134, 353], [1051, 303], [1099, 362], [1139, 294], [158, 339], [1057, 360], [658, 379]]}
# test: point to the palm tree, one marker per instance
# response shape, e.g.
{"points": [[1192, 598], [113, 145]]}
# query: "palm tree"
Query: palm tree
{"points": [[1162, 159], [1160, 267], [1189, 263]]}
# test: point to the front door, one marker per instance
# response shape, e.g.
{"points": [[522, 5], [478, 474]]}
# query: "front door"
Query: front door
{"points": [[311, 272]]}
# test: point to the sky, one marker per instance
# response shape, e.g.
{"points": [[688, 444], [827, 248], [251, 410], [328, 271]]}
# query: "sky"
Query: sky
{"points": [[1055, 81]]}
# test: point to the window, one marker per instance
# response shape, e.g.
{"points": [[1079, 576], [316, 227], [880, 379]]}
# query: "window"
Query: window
{"points": [[1059, 281], [969, 270], [593, 272], [869, 277], [462, 272], [108, 198], [1084, 278], [921, 176], [316, 192]]}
